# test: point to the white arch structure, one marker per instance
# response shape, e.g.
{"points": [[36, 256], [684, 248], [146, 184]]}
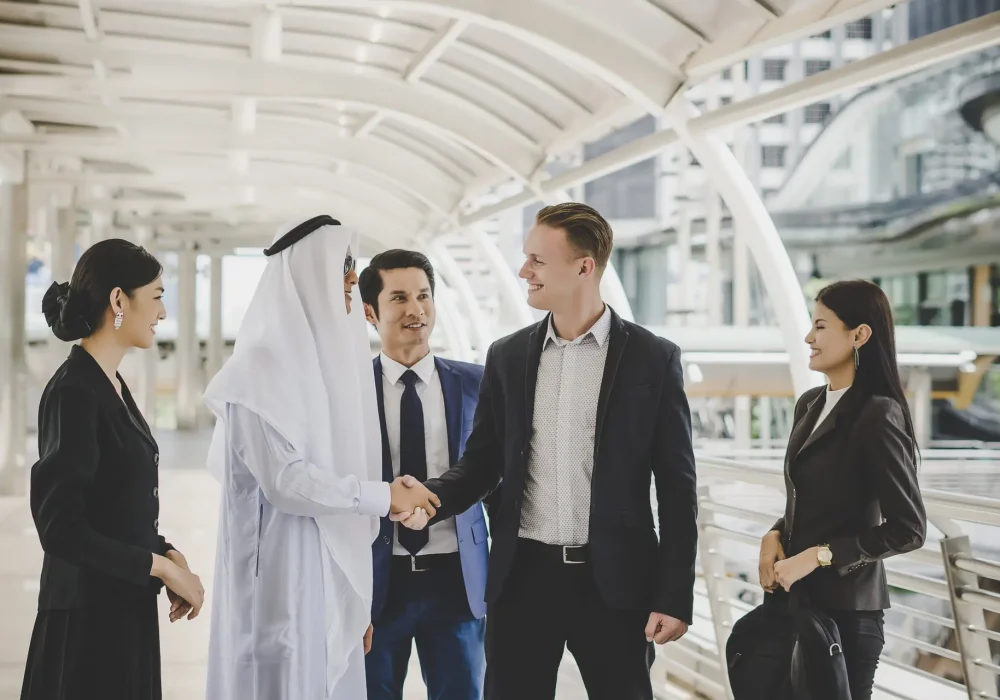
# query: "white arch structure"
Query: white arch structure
{"points": [[213, 120]]}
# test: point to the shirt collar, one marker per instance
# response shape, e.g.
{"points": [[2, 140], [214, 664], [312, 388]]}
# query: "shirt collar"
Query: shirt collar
{"points": [[394, 371], [599, 331]]}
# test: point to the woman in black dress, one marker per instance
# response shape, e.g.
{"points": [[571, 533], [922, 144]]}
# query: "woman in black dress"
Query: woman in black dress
{"points": [[94, 494], [852, 497]]}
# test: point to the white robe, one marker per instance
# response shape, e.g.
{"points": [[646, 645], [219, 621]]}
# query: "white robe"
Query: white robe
{"points": [[275, 581]]}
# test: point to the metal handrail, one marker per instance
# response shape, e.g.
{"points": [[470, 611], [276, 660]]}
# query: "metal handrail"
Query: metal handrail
{"points": [[949, 580]]}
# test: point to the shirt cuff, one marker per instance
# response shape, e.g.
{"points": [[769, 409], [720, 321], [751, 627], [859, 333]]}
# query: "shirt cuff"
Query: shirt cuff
{"points": [[374, 498]]}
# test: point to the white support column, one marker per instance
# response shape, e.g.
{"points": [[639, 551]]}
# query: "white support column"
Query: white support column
{"points": [[215, 340], [13, 360], [186, 353], [62, 239], [763, 242], [445, 263], [919, 386], [764, 416], [713, 258]]}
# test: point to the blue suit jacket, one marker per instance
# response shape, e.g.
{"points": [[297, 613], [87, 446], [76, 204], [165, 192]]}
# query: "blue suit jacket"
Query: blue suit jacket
{"points": [[460, 386]]}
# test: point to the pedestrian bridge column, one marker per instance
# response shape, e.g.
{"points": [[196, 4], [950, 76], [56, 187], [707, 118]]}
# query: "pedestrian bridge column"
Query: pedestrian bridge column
{"points": [[13, 360], [187, 354]]}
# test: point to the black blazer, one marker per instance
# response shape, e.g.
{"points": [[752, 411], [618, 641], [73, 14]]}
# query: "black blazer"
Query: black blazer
{"points": [[851, 484], [643, 432], [94, 491]]}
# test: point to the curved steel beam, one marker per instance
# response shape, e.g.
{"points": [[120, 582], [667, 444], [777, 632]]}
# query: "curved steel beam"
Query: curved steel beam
{"points": [[445, 261], [636, 73], [765, 244], [458, 339], [510, 291], [410, 173], [417, 104]]}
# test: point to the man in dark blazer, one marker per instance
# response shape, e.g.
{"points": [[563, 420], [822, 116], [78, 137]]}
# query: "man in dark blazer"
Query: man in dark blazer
{"points": [[429, 584], [577, 415]]}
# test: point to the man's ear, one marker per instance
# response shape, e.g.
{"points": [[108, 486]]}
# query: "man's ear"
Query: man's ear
{"points": [[587, 266], [370, 315]]}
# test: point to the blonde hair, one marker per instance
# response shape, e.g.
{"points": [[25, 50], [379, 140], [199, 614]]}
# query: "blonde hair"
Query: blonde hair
{"points": [[588, 232]]}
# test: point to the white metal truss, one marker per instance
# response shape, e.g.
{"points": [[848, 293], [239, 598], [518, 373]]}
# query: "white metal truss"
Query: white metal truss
{"points": [[400, 114]]}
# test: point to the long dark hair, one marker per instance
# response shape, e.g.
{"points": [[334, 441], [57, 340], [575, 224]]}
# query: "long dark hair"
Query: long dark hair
{"points": [[859, 302], [77, 309]]}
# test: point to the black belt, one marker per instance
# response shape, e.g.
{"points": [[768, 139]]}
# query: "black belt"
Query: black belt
{"points": [[426, 562], [555, 553]]}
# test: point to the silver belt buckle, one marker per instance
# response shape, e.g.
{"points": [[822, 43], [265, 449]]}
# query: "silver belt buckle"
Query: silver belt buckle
{"points": [[565, 551], [413, 564]]}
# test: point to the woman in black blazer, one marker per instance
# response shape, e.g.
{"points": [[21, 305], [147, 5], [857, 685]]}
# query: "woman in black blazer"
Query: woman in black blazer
{"points": [[94, 494], [852, 497]]}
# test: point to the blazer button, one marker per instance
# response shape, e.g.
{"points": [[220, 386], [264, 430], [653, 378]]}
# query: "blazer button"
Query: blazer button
{"points": [[156, 524], [386, 539], [156, 459], [156, 492]]}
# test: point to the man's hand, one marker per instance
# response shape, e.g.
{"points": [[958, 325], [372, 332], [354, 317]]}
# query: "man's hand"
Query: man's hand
{"points": [[407, 495], [367, 640], [663, 628], [771, 552], [789, 571], [179, 607]]}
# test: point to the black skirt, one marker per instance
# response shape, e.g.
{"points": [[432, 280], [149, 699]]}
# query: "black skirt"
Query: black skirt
{"points": [[111, 653]]}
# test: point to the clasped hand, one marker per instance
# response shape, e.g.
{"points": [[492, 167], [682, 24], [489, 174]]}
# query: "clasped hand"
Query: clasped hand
{"points": [[775, 570], [412, 503]]}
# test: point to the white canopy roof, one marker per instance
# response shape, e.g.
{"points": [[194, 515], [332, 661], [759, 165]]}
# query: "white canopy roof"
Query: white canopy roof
{"points": [[195, 115]]}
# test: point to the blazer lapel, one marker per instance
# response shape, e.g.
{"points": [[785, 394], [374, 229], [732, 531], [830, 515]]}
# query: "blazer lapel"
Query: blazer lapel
{"points": [[801, 432], [617, 339], [535, 342], [380, 395], [845, 405], [452, 390]]}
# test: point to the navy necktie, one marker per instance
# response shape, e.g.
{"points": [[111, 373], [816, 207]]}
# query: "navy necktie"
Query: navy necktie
{"points": [[412, 453]]}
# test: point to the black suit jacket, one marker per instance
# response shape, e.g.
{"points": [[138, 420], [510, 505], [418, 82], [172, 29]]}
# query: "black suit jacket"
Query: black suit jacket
{"points": [[851, 484], [94, 491], [643, 433]]}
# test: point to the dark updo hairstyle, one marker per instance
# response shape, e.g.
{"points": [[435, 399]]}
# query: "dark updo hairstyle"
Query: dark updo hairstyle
{"points": [[76, 310], [858, 302]]}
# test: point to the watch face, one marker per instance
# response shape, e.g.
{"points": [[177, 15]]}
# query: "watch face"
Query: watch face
{"points": [[825, 555]]}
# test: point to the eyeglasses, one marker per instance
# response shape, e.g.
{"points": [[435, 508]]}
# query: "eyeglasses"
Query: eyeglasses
{"points": [[349, 264]]}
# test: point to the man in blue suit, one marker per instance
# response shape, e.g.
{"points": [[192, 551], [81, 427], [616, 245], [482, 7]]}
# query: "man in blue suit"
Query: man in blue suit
{"points": [[430, 583]]}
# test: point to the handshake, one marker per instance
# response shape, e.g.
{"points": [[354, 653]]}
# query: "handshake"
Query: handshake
{"points": [[412, 503]]}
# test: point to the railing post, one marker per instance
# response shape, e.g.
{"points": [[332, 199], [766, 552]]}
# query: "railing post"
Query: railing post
{"points": [[714, 572], [971, 646]]}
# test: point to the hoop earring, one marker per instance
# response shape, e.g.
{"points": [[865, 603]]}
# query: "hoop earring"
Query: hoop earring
{"points": [[857, 358], [119, 316]]}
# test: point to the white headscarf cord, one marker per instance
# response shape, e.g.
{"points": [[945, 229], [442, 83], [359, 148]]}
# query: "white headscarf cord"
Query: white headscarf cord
{"points": [[303, 365]]}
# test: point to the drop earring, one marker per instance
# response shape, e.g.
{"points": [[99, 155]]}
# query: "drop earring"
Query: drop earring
{"points": [[857, 358], [120, 315]]}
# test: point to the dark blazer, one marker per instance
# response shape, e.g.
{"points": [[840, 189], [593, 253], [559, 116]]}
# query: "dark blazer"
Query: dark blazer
{"points": [[851, 484], [643, 433], [460, 386], [94, 491]]}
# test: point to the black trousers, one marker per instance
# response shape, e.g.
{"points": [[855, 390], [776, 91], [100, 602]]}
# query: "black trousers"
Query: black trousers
{"points": [[862, 633], [548, 606]]}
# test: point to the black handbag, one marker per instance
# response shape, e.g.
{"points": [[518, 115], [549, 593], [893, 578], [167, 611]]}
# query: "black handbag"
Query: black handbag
{"points": [[759, 651], [818, 668], [785, 649]]}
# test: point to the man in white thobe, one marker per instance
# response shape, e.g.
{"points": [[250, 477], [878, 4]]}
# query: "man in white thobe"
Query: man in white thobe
{"points": [[298, 452]]}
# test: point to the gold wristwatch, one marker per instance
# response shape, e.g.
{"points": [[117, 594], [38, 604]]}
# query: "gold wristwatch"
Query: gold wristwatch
{"points": [[823, 555]]}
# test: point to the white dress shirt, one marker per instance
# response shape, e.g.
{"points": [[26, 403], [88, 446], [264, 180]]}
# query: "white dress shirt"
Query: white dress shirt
{"points": [[832, 397], [561, 458], [441, 538]]}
